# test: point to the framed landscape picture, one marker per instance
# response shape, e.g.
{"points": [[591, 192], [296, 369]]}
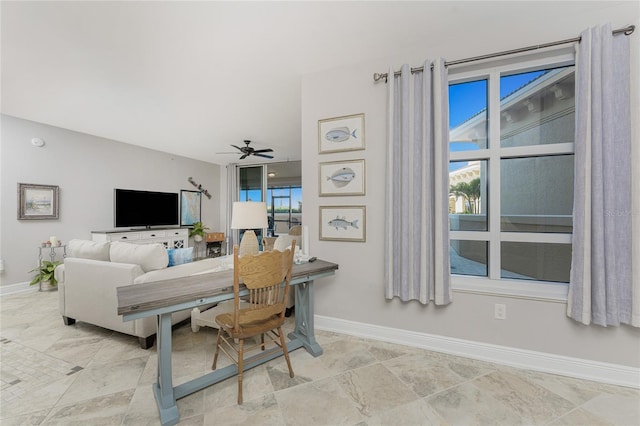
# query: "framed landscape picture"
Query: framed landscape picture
{"points": [[341, 178], [341, 134], [190, 207], [38, 202], [343, 223]]}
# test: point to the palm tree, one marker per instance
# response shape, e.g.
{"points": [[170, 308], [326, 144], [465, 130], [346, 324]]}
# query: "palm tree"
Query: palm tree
{"points": [[469, 191]]}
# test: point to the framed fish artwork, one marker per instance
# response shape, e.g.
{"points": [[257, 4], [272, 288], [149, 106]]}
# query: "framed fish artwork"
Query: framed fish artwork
{"points": [[343, 223], [341, 134], [341, 178]]}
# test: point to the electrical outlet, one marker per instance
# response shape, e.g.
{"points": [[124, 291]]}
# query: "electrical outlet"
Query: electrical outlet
{"points": [[500, 311]]}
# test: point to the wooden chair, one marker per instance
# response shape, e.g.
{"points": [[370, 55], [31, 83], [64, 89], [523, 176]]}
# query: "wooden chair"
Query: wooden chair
{"points": [[266, 276]]}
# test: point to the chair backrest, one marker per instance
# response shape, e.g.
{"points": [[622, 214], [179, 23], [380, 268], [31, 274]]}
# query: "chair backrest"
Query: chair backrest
{"points": [[266, 276]]}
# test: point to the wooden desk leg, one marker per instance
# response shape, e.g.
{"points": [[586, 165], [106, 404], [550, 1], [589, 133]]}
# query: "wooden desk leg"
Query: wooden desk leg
{"points": [[163, 389], [304, 331]]}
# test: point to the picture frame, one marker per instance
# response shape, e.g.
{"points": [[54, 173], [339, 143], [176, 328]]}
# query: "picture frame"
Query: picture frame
{"points": [[340, 134], [337, 178], [38, 202], [190, 207], [343, 223]]}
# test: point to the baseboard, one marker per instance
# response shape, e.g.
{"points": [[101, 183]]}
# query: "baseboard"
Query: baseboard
{"points": [[17, 288], [530, 360]]}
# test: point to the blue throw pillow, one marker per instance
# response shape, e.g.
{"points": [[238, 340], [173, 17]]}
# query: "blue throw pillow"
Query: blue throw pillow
{"points": [[180, 256]]}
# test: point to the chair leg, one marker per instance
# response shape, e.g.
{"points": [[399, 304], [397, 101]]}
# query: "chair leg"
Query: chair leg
{"points": [[285, 351], [240, 369], [262, 341], [215, 356]]}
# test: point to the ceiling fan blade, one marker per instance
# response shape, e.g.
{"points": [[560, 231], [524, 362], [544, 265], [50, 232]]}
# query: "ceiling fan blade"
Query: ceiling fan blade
{"points": [[243, 156], [263, 150], [263, 155], [237, 147]]}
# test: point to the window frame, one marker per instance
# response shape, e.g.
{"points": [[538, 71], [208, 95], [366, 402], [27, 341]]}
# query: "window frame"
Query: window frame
{"points": [[493, 284]]}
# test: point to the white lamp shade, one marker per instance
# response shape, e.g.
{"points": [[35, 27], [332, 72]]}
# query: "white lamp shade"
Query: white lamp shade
{"points": [[249, 215]]}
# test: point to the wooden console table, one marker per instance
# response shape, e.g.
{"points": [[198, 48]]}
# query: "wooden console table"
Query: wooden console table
{"points": [[161, 298]]}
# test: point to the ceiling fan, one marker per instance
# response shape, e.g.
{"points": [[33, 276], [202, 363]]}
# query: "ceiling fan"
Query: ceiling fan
{"points": [[247, 151]]}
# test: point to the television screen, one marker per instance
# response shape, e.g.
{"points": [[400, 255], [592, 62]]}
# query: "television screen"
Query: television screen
{"points": [[145, 208]]}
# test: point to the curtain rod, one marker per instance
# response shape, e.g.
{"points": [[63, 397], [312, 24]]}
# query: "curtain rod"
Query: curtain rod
{"points": [[627, 31]]}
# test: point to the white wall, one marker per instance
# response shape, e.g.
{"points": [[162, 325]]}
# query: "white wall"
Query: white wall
{"points": [[87, 169], [356, 292]]}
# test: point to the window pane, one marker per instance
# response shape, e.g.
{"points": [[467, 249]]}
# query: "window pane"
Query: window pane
{"points": [[536, 194], [468, 196], [537, 108], [536, 261], [469, 257], [468, 115]]}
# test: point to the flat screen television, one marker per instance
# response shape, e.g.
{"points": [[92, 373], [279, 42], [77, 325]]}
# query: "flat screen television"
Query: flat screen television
{"points": [[144, 208]]}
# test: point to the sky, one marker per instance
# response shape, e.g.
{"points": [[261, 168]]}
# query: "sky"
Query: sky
{"points": [[467, 99]]}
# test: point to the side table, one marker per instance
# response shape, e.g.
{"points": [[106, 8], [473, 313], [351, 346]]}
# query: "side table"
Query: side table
{"points": [[52, 255]]}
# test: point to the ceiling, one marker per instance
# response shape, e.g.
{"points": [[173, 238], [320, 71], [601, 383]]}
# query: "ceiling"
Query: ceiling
{"points": [[191, 78]]}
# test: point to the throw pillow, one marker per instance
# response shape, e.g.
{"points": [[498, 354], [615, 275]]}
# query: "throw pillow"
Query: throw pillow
{"points": [[86, 249], [180, 256], [149, 256]]}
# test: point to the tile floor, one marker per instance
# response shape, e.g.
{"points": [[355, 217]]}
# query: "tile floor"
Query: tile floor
{"points": [[52, 374]]}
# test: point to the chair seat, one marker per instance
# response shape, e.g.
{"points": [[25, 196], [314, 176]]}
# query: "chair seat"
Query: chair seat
{"points": [[248, 329]]}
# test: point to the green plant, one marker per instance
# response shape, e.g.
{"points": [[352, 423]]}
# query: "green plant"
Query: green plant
{"points": [[45, 272], [198, 229]]}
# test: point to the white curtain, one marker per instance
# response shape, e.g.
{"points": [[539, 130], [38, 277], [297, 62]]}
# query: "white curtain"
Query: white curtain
{"points": [[232, 195], [416, 222], [601, 289]]}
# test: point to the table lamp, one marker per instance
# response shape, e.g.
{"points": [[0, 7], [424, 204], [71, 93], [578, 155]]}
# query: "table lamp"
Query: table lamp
{"points": [[249, 215]]}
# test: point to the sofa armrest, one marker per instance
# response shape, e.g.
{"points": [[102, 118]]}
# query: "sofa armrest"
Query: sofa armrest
{"points": [[89, 291]]}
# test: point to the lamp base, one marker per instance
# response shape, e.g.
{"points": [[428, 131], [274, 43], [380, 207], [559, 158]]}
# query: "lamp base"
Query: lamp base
{"points": [[249, 243]]}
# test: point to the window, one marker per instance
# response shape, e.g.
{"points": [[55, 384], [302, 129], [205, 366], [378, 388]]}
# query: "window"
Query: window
{"points": [[511, 177]]}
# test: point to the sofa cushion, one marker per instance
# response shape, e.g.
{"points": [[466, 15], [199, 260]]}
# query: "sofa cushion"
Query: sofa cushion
{"points": [[283, 242], [180, 256], [150, 257], [194, 268], [86, 249]]}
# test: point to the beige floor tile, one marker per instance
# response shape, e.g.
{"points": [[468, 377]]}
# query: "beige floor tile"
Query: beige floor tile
{"points": [[374, 389], [532, 402], [580, 417], [255, 384], [618, 409], [322, 402], [104, 379], [425, 373], [467, 405], [259, 411], [415, 413], [104, 410]]}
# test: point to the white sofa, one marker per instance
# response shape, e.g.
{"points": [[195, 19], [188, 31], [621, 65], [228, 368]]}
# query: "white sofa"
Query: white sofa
{"points": [[92, 271]]}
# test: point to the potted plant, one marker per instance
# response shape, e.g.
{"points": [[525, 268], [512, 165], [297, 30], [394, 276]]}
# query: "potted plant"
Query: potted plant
{"points": [[45, 274], [198, 231]]}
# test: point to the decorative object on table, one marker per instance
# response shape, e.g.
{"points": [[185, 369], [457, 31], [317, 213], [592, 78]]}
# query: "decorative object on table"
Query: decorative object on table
{"points": [[45, 274], [200, 188], [249, 215], [198, 231], [214, 241], [37, 202], [343, 223], [341, 178], [267, 278], [190, 207], [341, 134]]}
